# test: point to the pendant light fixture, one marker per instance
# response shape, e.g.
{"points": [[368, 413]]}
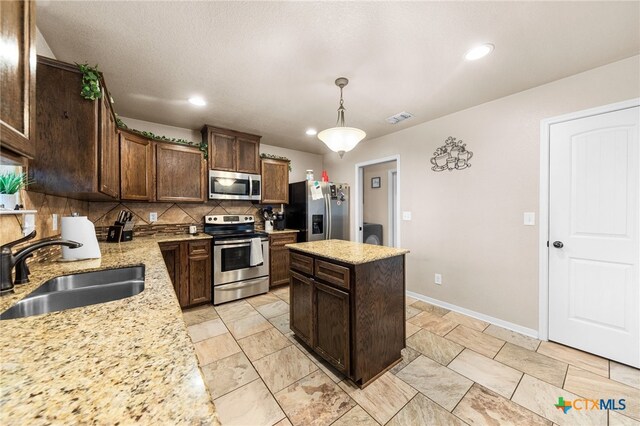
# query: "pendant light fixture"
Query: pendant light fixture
{"points": [[341, 139]]}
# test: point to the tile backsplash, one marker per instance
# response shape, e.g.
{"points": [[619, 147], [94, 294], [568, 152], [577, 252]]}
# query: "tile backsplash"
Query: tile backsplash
{"points": [[46, 206], [173, 218]]}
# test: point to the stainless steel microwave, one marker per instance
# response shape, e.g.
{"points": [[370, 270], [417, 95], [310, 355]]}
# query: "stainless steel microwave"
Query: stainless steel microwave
{"points": [[234, 186]]}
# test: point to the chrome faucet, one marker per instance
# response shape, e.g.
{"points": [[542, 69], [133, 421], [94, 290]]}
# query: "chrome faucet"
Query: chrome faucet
{"points": [[8, 259]]}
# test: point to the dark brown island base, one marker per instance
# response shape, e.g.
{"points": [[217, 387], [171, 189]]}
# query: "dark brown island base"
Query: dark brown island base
{"points": [[347, 304]]}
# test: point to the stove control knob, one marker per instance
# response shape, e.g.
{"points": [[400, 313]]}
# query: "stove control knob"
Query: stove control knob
{"points": [[215, 218]]}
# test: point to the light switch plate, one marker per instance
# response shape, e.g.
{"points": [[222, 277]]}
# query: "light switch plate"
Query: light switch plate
{"points": [[153, 217], [438, 279], [406, 215], [55, 222], [529, 218]]}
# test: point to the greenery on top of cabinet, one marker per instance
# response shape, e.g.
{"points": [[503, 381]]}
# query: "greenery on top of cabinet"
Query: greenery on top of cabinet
{"points": [[276, 157], [203, 146], [90, 82]]}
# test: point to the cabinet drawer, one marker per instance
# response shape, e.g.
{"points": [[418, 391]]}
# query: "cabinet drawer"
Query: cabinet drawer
{"points": [[301, 263], [333, 274], [282, 239], [199, 248]]}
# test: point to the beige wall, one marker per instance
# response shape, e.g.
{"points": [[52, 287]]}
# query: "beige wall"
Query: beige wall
{"points": [[300, 161], [42, 47], [376, 200], [467, 224]]}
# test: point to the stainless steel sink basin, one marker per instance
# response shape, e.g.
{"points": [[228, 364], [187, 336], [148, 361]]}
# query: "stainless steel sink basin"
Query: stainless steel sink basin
{"points": [[74, 291]]}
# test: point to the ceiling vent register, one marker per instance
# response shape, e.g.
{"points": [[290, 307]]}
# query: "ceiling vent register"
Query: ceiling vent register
{"points": [[401, 116]]}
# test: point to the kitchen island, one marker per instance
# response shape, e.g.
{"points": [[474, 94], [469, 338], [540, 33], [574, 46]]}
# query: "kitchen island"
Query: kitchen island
{"points": [[127, 361], [347, 304]]}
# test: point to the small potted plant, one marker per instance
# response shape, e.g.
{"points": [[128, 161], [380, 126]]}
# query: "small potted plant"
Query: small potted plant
{"points": [[10, 184]]}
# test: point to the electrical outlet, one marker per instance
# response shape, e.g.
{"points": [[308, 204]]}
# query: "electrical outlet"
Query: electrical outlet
{"points": [[406, 215], [529, 218], [55, 222], [153, 217], [438, 279]]}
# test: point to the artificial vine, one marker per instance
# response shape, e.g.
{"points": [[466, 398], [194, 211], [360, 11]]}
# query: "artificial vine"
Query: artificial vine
{"points": [[276, 157], [90, 82], [203, 146]]}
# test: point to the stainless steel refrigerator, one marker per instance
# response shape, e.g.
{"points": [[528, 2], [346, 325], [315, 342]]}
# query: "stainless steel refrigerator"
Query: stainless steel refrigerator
{"points": [[320, 213]]}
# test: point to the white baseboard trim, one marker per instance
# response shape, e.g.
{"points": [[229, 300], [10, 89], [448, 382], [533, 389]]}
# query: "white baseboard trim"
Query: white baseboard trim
{"points": [[501, 323]]}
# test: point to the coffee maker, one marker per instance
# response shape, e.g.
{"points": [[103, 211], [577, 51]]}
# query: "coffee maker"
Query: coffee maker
{"points": [[278, 221]]}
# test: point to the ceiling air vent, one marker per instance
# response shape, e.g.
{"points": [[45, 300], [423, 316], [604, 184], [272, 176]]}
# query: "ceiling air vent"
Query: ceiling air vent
{"points": [[401, 116]]}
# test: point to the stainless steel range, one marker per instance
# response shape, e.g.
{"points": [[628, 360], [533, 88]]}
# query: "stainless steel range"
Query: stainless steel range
{"points": [[235, 276]]}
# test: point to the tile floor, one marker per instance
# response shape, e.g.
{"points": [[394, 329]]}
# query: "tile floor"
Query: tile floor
{"points": [[456, 370]]}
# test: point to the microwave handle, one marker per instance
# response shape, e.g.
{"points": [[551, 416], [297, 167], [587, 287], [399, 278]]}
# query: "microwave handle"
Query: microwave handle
{"points": [[250, 186]]}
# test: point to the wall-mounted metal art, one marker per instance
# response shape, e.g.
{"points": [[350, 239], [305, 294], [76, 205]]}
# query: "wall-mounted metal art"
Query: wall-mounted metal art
{"points": [[453, 155]]}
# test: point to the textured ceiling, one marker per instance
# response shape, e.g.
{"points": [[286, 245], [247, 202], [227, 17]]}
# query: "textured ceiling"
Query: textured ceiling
{"points": [[268, 67]]}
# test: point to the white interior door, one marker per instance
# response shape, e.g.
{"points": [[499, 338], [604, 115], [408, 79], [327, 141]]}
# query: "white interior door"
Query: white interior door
{"points": [[594, 248]]}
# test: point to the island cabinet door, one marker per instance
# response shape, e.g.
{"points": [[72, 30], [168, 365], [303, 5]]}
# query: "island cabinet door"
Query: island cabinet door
{"points": [[301, 312], [332, 326]]}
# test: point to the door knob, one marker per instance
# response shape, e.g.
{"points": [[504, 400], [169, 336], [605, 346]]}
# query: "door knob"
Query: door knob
{"points": [[558, 244]]}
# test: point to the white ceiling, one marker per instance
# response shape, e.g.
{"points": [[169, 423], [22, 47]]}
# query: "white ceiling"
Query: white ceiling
{"points": [[269, 67]]}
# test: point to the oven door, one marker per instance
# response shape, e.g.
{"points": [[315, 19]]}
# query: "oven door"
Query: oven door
{"points": [[231, 261], [229, 186]]}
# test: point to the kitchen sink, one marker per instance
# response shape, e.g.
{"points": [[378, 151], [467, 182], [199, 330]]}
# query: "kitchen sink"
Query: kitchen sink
{"points": [[76, 290]]}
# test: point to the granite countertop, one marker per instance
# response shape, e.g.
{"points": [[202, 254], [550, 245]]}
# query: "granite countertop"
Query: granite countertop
{"points": [[347, 251], [126, 361], [284, 231]]}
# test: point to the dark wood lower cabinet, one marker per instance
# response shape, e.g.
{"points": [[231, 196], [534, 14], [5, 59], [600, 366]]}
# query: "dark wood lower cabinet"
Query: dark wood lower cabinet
{"points": [[353, 316], [199, 272], [302, 311], [189, 266], [279, 258], [331, 338]]}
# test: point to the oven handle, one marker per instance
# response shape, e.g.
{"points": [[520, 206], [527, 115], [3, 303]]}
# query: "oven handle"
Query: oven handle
{"points": [[236, 243]]}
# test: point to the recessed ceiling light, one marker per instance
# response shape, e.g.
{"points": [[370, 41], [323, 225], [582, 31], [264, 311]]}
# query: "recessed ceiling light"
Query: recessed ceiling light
{"points": [[197, 100], [311, 132], [479, 52]]}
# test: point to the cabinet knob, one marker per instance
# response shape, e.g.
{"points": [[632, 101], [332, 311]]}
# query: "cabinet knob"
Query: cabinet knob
{"points": [[65, 114]]}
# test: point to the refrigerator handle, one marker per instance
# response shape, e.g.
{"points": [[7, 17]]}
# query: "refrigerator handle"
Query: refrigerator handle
{"points": [[329, 216]]}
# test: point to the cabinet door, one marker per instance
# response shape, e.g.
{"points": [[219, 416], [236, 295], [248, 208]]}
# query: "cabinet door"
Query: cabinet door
{"points": [[248, 155], [180, 173], [109, 160], [301, 311], [173, 259], [279, 258], [275, 181], [199, 272], [136, 163], [222, 152], [331, 339], [18, 77]]}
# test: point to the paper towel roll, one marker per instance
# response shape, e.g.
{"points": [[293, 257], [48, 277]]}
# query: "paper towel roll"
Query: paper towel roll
{"points": [[81, 230]]}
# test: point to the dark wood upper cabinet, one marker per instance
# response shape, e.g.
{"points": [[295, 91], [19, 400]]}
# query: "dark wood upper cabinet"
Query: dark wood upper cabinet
{"points": [[76, 139], [180, 173], [109, 155], [222, 152], [136, 168], [232, 151], [18, 77], [248, 155], [275, 181]]}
